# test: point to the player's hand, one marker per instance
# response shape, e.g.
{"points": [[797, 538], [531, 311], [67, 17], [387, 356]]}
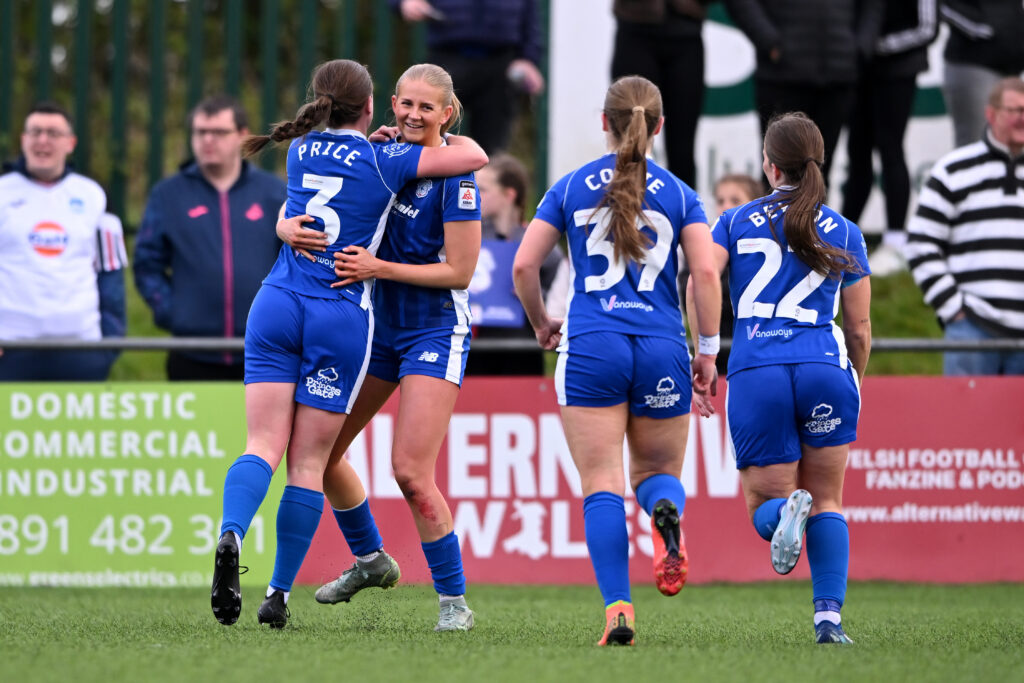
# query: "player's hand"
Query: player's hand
{"points": [[526, 76], [384, 134], [417, 10], [354, 264], [301, 240], [549, 335], [705, 383]]}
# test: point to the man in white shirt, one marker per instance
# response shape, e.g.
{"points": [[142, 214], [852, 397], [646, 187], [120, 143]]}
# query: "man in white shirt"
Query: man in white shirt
{"points": [[62, 258]]}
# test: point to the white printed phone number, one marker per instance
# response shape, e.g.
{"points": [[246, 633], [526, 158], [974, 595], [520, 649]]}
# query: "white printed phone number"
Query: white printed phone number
{"points": [[126, 534]]}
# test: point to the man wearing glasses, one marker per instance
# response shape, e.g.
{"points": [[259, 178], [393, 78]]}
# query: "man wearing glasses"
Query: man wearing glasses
{"points": [[62, 258], [207, 240], [965, 243]]}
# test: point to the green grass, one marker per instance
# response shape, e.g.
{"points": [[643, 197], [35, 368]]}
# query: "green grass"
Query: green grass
{"points": [[758, 632]]}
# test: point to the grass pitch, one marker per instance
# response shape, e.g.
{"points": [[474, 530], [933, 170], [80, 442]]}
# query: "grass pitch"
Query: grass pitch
{"points": [[747, 633]]}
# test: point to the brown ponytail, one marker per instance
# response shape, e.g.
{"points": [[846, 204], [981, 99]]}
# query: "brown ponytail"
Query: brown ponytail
{"points": [[632, 107], [794, 144], [340, 89]]}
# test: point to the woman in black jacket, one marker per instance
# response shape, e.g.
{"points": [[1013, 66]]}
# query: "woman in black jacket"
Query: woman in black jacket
{"points": [[885, 98]]}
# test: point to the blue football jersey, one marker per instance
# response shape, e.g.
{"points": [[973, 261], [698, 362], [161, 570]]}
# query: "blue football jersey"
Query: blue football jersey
{"points": [[784, 310], [347, 184], [607, 295], [415, 234]]}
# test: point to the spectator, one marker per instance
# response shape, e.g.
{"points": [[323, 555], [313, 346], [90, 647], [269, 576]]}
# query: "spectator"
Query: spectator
{"points": [[732, 190], [491, 48], [62, 257], [207, 240], [984, 45], [807, 53], [503, 189], [964, 243], [885, 97], [661, 41]]}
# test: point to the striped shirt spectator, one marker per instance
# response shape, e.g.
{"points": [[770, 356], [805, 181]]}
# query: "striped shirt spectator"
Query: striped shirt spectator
{"points": [[966, 242]]}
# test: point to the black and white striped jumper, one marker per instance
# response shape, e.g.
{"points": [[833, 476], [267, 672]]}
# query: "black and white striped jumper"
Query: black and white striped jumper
{"points": [[965, 243]]}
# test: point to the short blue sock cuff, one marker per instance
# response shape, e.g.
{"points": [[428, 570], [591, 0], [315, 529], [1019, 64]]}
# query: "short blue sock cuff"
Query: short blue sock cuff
{"points": [[766, 517], [813, 519], [256, 460], [827, 605], [602, 498], [658, 486], [444, 558], [360, 529], [307, 497]]}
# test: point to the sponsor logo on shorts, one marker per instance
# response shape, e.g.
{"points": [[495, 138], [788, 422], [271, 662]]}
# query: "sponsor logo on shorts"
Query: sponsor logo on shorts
{"points": [[323, 384], [612, 303], [755, 333], [428, 356], [666, 396], [821, 421]]}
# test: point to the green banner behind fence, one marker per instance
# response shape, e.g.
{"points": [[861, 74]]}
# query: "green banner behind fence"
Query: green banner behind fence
{"points": [[120, 484]]}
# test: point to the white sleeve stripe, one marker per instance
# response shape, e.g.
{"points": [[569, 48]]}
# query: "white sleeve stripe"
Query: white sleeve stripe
{"points": [[971, 28]]}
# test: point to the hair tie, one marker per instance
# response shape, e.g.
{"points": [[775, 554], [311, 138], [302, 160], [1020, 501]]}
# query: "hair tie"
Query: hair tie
{"points": [[334, 102], [638, 108], [819, 164]]}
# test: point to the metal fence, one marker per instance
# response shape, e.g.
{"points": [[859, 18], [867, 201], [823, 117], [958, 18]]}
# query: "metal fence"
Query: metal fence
{"points": [[130, 70], [917, 344]]}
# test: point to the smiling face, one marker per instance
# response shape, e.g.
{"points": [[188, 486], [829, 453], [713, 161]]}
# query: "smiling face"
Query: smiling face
{"points": [[420, 112], [46, 143]]}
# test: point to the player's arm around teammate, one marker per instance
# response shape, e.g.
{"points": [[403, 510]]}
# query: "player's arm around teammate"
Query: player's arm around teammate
{"points": [[623, 367]]}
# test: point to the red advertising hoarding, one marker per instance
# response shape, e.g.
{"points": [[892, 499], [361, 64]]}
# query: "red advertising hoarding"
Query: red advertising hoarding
{"points": [[934, 490]]}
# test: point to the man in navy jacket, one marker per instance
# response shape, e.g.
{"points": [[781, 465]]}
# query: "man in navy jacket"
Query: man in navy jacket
{"points": [[207, 240]]}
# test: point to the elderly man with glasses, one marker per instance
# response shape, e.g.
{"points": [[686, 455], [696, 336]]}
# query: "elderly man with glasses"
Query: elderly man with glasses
{"points": [[965, 243], [62, 258]]}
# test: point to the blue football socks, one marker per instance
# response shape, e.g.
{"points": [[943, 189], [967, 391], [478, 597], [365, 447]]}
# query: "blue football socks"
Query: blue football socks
{"points": [[828, 552], [604, 522], [298, 516], [360, 529], [445, 561], [659, 486], [245, 487], [766, 517]]}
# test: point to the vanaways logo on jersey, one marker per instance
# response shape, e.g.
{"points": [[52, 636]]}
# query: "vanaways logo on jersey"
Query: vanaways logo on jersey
{"points": [[755, 333], [665, 396], [323, 384], [612, 303], [48, 239]]}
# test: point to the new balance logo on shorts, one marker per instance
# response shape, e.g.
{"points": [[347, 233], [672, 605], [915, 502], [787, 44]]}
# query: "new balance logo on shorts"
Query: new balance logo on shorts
{"points": [[428, 356]]}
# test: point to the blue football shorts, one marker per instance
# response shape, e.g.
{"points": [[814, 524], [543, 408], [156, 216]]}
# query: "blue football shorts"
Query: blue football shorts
{"points": [[322, 345], [602, 369], [771, 410], [431, 351]]}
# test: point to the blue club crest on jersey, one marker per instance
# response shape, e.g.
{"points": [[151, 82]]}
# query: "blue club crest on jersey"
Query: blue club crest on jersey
{"points": [[423, 187], [77, 205], [396, 149]]}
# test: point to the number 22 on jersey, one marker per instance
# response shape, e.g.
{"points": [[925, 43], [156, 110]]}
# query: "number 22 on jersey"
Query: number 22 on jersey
{"points": [[788, 305]]}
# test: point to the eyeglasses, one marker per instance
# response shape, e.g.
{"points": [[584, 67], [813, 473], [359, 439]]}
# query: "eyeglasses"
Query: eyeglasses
{"points": [[215, 132], [1013, 111], [51, 133]]}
